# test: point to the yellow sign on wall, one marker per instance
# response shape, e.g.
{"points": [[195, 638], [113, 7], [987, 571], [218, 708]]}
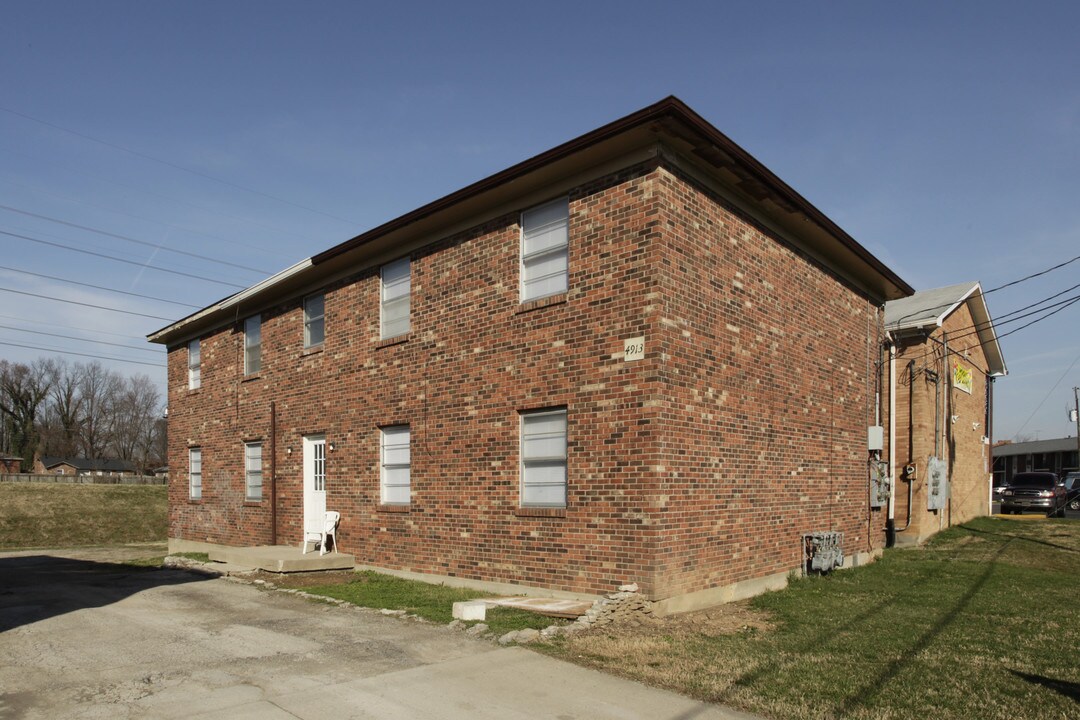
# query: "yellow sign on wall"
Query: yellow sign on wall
{"points": [[961, 378]]}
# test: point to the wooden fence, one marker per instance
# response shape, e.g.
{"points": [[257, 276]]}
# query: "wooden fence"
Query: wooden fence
{"points": [[84, 479]]}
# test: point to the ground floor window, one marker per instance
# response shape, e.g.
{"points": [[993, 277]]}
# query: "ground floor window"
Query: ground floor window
{"points": [[194, 473], [396, 462], [543, 458], [253, 470]]}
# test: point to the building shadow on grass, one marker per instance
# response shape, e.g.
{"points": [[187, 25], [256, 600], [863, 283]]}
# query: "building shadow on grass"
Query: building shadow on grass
{"points": [[1070, 690], [38, 587]]}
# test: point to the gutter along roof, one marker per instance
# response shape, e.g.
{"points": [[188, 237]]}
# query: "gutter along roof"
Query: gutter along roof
{"points": [[668, 126]]}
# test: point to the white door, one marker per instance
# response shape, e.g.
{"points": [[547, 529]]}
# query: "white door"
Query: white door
{"points": [[314, 482]]}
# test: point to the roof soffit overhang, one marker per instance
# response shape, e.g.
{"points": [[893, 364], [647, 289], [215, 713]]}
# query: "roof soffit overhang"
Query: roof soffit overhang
{"points": [[668, 124], [982, 327]]}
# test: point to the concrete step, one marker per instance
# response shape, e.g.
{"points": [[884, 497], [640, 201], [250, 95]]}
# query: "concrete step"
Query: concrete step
{"points": [[281, 559]]}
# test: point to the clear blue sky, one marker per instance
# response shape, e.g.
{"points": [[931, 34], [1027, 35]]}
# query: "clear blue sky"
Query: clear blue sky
{"points": [[945, 137]]}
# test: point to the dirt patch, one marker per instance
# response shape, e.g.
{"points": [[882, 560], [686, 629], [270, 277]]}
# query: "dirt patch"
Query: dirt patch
{"points": [[721, 620], [303, 580]]}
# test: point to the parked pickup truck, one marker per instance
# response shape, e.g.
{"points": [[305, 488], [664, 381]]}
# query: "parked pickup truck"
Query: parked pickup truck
{"points": [[1034, 491]]}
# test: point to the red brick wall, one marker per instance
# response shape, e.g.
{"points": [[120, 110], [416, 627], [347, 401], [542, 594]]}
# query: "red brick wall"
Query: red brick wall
{"points": [[767, 394], [961, 444], [670, 484]]}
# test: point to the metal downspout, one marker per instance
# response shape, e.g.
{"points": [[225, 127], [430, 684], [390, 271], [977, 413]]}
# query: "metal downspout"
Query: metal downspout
{"points": [[890, 522]]}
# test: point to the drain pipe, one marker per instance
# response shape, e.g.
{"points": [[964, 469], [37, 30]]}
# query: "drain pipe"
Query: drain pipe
{"points": [[911, 440], [890, 522], [273, 473]]}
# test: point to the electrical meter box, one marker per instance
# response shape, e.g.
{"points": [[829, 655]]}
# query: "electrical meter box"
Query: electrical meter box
{"points": [[880, 484], [937, 483]]}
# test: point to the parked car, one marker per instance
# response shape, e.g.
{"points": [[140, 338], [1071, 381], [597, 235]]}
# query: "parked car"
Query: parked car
{"points": [[998, 490], [1072, 490], [1034, 491]]}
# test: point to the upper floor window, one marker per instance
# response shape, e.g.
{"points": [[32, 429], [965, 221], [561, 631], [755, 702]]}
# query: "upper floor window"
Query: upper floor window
{"points": [[543, 458], [194, 473], [194, 365], [252, 344], [396, 465], [253, 470], [314, 328], [396, 286], [544, 258]]}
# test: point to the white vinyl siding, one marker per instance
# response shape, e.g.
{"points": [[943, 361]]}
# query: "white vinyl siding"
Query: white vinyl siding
{"points": [[253, 470], [195, 473], [252, 345], [543, 459], [544, 250], [396, 463], [194, 365], [396, 286], [314, 320]]}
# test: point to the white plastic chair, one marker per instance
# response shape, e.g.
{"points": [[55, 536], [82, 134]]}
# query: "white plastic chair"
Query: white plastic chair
{"points": [[319, 535]]}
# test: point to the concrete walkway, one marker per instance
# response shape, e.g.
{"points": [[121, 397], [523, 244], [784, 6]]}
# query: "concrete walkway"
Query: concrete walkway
{"points": [[85, 639]]}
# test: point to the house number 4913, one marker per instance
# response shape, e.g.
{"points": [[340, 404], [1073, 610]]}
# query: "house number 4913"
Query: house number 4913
{"points": [[634, 349]]}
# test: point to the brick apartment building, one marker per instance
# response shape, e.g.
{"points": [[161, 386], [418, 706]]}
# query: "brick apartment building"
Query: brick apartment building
{"points": [[947, 356], [639, 356]]}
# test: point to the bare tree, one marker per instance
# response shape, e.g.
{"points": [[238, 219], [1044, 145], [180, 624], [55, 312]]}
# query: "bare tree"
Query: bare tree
{"points": [[135, 409], [63, 416], [99, 389], [22, 390]]}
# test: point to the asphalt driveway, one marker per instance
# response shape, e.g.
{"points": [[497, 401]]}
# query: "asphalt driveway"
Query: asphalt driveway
{"points": [[87, 639]]}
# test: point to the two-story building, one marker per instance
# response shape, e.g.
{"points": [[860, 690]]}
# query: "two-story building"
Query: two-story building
{"points": [[639, 356]]}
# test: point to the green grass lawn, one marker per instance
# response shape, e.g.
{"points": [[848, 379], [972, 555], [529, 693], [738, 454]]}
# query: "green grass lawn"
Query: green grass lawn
{"points": [[980, 623], [431, 602], [37, 515]]}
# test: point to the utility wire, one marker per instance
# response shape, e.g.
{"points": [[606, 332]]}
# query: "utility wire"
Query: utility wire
{"points": [[155, 350], [111, 257], [175, 166], [140, 338], [106, 233], [1048, 394], [99, 287], [137, 188], [89, 305], [72, 352]]}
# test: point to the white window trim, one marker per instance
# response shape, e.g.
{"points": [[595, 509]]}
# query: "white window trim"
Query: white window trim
{"points": [[561, 249], [555, 459], [384, 485], [194, 364], [252, 350], [194, 477], [405, 300], [249, 471], [309, 320]]}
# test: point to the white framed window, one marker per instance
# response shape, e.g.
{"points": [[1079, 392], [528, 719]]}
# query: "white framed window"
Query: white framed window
{"points": [[253, 470], [253, 345], [195, 473], [396, 286], [543, 458], [396, 461], [544, 250], [194, 365], [314, 326]]}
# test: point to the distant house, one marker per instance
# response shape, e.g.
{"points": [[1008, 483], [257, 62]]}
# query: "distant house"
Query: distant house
{"points": [[1058, 456], [10, 464], [52, 465], [161, 472], [946, 359]]}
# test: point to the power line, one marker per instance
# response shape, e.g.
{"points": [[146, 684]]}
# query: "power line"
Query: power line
{"points": [[77, 339], [89, 305], [137, 188], [72, 352], [175, 166], [98, 287], [106, 233], [1048, 394], [110, 257], [141, 338]]}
